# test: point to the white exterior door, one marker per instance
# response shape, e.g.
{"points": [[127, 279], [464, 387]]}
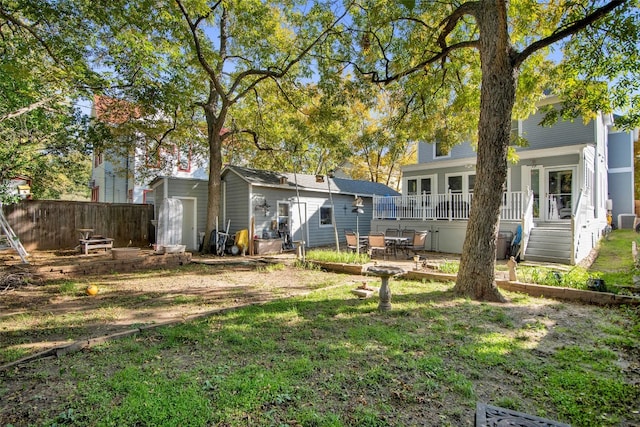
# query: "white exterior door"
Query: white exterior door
{"points": [[189, 222], [560, 183]]}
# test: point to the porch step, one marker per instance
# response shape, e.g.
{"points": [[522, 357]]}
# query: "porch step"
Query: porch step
{"points": [[550, 242]]}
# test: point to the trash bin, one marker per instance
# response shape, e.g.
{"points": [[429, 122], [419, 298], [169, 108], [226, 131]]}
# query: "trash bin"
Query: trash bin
{"points": [[503, 244]]}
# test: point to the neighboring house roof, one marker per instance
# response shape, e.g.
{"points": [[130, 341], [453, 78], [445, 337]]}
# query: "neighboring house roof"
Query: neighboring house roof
{"points": [[114, 111], [310, 182]]}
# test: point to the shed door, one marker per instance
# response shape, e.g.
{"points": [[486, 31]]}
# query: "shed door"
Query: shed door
{"points": [[189, 223]]}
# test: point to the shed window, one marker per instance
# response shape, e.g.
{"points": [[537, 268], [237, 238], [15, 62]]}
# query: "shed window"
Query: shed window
{"points": [[326, 216]]}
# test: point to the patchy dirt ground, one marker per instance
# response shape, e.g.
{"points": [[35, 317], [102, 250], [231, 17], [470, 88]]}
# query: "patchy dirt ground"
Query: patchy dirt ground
{"points": [[48, 314]]}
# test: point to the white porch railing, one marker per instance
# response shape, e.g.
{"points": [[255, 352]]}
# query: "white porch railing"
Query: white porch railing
{"points": [[527, 222], [577, 219], [448, 206]]}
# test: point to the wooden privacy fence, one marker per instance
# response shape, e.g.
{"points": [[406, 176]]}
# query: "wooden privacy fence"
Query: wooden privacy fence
{"points": [[54, 224]]}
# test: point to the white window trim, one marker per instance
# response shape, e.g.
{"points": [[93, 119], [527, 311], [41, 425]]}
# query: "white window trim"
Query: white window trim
{"points": [[333, 218], [465, 180], [519, 127], [405, 184], [278, 216], [448, 155], [418, 179]]}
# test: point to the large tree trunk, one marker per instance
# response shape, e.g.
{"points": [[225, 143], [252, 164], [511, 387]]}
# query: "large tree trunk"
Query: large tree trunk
{"points": [[215, 167], [476, 277]]}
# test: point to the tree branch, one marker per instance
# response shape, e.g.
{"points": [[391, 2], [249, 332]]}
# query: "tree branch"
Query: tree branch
{"points": [[6, 15], [567, 31], [264, 74], [437, 57], [450, 22], [193, 27], [256, 140], [27, 109]]}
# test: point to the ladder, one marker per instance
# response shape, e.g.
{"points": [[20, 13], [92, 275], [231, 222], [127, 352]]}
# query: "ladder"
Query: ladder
{"points": [[11, 237]]}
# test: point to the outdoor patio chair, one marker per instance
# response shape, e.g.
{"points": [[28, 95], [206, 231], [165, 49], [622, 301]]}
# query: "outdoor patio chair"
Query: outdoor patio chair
{"points": [[417, 244], [392, 232], [409, 234], [353, 244], [377, 244]]}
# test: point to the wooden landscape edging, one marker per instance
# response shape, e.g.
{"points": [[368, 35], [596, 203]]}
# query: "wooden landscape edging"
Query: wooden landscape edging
{"points": [[568, 294], [340, 267], [534, 290], [108, 265]]}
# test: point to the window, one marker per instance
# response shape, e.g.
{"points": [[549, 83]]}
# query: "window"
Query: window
{"points": [[412, 187], [425, 186], [184, 158], [514, 135], [455, 183], [440, 151], [95, 194], [419, 185], [283, 217], [462, 183], [326, 216]]}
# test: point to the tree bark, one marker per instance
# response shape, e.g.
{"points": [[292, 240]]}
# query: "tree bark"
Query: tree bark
{"points": [[214, 127], [476, 277]]}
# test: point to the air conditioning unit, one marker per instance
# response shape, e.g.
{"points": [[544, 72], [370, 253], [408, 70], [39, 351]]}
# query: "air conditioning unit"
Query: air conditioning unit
{"points": [[625, 221]]}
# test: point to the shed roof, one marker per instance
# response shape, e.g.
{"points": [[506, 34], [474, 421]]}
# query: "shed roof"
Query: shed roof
{"points": [[309, 182]]}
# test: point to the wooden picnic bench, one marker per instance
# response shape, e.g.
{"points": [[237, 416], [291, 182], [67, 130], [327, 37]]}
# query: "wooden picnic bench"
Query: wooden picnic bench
{"points": [[96, 243]]}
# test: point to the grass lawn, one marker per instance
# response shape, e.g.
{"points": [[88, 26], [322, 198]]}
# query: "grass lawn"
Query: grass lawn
{"points": [[329, 359]]}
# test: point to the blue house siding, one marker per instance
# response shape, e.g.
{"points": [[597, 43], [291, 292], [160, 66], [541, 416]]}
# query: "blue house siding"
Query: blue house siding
{"points": [[247, 189], [621, 171], [461, 151], [562, 133], [315, 234], [235, 200]]}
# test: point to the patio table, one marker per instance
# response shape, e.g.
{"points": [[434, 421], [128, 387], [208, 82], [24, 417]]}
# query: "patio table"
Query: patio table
{"points": [[394, 242]]}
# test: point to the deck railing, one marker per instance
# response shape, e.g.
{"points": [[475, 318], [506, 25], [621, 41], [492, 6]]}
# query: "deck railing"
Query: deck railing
{"points": [[450, 206]]}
